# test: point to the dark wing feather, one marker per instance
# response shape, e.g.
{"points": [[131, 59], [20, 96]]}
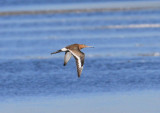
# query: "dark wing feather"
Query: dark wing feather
{"points": [[79, 57]]}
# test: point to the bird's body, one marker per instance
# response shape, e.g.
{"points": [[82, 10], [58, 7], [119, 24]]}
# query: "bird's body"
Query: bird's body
{"points": [[74, 50]]}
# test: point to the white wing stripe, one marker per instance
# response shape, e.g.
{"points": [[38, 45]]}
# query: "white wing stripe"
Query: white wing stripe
{"points": [[79, 61]]}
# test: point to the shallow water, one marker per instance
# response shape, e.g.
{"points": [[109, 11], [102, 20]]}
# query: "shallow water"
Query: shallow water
{"points": [[125, 57], [48, 76]]}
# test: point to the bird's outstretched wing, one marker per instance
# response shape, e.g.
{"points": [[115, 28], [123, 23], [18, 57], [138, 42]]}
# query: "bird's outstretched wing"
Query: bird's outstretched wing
{"points": [[67, 57], [79, 57]]}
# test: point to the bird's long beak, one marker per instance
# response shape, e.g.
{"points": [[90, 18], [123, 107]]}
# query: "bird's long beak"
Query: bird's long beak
{"points": [[90, 46]]}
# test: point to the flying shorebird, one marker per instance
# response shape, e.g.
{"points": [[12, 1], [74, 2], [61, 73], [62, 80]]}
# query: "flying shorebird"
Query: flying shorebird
{"points": [[74, 50]]}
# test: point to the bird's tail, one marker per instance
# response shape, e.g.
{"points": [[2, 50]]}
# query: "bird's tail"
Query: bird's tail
{"points": [[56, 52]]}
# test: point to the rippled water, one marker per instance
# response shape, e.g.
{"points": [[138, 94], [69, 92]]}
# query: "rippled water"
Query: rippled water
{"points": [[49, 77], [125, 57]]}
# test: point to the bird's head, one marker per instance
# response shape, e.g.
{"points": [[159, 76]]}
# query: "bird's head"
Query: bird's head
{"points": [[81, 46]]}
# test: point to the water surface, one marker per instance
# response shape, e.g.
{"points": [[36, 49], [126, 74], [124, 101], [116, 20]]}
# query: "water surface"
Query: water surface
{"points": [[125, 57]]}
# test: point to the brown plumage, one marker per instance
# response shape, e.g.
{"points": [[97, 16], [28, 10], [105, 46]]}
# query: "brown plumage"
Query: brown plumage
{"points": [[74, 50]]}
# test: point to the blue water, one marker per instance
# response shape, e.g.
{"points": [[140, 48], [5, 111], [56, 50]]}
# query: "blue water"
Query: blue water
{"points": [[124, 58], [30, 2]]}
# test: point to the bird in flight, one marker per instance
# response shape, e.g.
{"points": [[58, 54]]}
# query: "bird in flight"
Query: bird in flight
{"points": [[74, 50]]}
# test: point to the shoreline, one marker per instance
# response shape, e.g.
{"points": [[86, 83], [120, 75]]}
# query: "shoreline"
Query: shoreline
{"points": [[79, 8]]}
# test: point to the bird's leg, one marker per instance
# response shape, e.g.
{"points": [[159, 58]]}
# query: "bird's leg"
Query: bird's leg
{"points": [[56, 52]]}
